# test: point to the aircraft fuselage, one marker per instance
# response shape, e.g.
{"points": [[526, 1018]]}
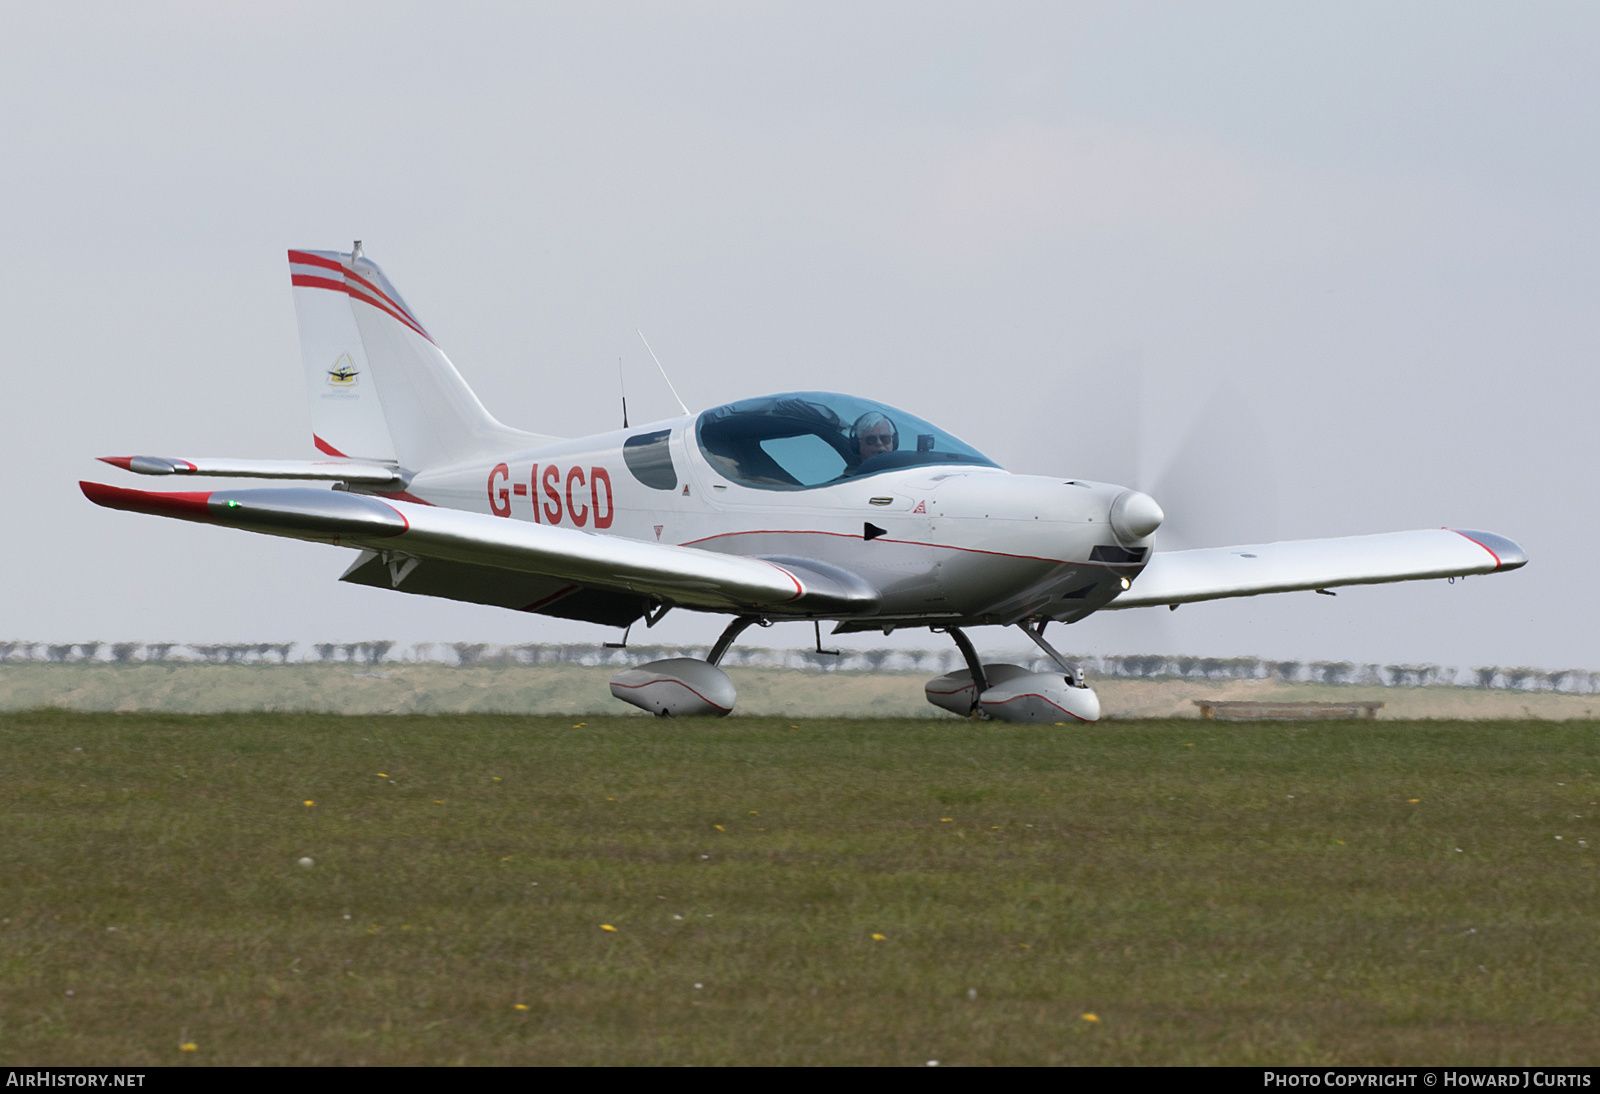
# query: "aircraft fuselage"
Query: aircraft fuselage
{"points": [[943, 544]]}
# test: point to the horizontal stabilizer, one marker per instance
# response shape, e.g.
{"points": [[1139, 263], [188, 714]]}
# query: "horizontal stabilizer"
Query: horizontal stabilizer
{"points": [[685, 576], [1214, 573], [368, 474]]}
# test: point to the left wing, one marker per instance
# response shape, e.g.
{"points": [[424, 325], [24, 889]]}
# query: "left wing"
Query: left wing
{"points": [[1213, 573]]}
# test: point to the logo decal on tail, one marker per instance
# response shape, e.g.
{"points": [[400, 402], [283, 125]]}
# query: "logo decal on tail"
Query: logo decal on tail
{"points": [[344, 374]]}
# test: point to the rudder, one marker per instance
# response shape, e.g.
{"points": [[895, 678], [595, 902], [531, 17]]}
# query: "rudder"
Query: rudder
{"points": [[347, 416], [379, 387]]}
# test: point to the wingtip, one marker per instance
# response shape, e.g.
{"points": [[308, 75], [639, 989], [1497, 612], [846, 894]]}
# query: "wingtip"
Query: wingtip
{"points": [[188, 505], [1508, 554], [150, 465]]}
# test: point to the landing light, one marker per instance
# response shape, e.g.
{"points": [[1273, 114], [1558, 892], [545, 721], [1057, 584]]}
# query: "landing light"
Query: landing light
{"points": [[1126, 584]]}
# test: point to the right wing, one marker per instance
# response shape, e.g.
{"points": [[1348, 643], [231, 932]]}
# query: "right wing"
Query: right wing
{"points": [[1214, 573], [402, 532]]}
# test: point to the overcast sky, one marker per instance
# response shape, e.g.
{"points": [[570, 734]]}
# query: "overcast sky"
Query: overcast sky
{"points": [[1306, 269]]}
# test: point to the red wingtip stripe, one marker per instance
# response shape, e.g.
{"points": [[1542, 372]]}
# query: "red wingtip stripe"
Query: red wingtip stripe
{"points": [[799, 589], [185, 506], [1469, 539], [326, 448], [124, 462]]}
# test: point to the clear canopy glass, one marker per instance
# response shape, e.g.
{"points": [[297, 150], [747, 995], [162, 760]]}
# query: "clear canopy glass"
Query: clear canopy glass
{"points": [[806, 439]]}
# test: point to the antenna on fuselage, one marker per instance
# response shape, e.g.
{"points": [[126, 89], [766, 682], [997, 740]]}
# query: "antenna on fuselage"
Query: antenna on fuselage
{"points": [[624, 386], [664, 375]]}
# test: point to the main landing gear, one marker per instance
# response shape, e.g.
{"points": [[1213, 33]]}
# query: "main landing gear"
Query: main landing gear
{"points": [[685, 686], [1010, 693]]}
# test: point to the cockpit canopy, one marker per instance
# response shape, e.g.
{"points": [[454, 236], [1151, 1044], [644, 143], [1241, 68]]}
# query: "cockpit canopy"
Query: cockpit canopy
{"points": [[806, 439]]}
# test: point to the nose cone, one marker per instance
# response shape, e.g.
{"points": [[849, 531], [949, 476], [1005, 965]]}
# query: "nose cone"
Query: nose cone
{"points": [[1135, 515]]}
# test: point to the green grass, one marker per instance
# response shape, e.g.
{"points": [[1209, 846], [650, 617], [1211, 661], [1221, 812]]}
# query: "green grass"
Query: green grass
{"points": [[1158, 875]]}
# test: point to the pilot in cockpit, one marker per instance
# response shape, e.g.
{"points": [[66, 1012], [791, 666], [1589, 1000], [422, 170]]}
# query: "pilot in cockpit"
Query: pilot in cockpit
{"points": [[873, 434]]}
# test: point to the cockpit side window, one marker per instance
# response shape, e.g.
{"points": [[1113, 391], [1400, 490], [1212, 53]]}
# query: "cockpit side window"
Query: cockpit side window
{"points": [[806, 458], [809, 439], [649, 457]]}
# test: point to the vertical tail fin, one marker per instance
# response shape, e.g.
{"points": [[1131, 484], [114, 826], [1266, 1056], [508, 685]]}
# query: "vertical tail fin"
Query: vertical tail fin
{"points": [[379, 388]]}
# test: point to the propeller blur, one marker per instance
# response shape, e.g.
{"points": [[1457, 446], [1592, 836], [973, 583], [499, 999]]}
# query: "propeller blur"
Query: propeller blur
{"points": [[799, 506]]}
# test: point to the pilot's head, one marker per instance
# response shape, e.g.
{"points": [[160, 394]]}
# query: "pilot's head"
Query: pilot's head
{"points": [[874, 435]]}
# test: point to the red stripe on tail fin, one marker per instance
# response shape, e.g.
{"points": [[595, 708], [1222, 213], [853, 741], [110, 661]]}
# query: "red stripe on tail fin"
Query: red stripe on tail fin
{"points": [[389, 303], [305, 258], [311, 281], [393, 312]]}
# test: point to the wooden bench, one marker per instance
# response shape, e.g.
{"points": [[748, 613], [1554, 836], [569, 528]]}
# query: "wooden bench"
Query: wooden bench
{"points": [[1255, 712]]}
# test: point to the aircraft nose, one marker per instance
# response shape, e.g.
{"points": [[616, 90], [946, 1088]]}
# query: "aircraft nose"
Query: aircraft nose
{"points": [[1134, 515]]}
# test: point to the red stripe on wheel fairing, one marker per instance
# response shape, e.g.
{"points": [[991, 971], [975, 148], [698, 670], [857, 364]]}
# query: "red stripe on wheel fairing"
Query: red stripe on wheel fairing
{"points": [[184, 506], [1043, 699], [685, 687]]}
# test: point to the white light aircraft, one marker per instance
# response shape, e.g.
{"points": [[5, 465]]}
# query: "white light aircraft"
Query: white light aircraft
{"points": [[805, 506]]}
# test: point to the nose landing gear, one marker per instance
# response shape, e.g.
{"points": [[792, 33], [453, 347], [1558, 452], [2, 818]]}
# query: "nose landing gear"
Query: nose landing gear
{"points": [[1010, 693]]}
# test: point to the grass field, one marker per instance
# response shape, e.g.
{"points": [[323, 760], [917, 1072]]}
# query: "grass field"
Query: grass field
{"points": [[875, 891], [431, 688]]}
